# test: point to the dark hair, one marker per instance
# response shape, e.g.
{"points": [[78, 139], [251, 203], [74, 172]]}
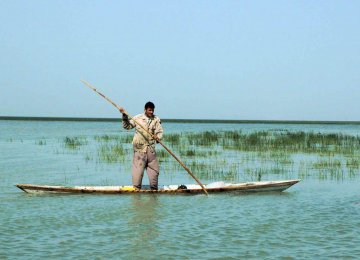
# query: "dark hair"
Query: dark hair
{"points": [[149, 105]]}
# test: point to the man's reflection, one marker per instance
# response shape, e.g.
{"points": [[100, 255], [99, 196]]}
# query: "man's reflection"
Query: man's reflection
{"points": [[144, 220]]}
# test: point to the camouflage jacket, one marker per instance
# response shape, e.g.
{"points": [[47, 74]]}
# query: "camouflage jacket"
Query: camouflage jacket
{"points": [[142, 139]]}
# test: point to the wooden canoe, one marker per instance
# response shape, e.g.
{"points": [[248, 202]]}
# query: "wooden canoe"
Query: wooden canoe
{"points": [[262, 186]]}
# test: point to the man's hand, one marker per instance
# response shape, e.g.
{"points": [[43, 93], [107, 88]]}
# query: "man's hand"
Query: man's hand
{"points": [[122, 110], [157, 139]]}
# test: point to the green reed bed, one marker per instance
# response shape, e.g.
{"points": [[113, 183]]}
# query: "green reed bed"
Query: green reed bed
{"points": [[173, 139], [197, 153], [204, 170], [108, 148], [113, 148], [268, 152], [335, 169], [207, 138], [262, 141], [278, 152], [332, 174], [230, 155], [112, 153], [293, 142], [329, 163], [353, 163], [162, 155], [272, 156], [74, 142], [109, 138]]}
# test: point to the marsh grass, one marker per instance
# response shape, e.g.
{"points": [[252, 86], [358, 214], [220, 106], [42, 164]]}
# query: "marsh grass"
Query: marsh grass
{"points": [[274, 156], [109, 138], [162, 155], [207, 138], [74, 142], [274, 152], [331, 173], [206, 171], [264, 141], [111, 148], [291, 142], [173, 139], [111, 153], [40, 142], [197, 153], [330, 163], [238, 155], [353, 163]]}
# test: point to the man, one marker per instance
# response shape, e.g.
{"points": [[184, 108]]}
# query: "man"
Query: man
{"points": [[144, 145]]}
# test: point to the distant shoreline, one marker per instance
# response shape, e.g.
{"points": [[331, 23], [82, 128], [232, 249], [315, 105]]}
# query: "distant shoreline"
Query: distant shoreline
{"points": [[206, 121]]}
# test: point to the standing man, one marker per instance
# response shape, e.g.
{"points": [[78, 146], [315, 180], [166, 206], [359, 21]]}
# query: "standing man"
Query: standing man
{"points": [[144, 145]]}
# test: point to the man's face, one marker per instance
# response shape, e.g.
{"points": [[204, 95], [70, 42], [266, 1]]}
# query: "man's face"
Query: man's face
{"points": [[149, 112]]}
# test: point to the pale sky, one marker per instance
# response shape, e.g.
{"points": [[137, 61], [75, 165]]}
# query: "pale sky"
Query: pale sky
{"points": [[271, 60]]}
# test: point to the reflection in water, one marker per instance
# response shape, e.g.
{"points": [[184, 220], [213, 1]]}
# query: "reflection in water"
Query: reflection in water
{"points": [[144, 222]]}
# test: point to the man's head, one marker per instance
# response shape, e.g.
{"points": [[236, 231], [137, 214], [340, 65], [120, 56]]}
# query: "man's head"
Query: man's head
{"points": [[149, 109]]}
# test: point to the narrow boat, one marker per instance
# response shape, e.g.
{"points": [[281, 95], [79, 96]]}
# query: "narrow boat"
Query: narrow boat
{"points": [[215, 187]]}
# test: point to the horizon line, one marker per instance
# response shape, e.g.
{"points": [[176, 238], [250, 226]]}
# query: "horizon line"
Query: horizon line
{"points": [[228, 121]]}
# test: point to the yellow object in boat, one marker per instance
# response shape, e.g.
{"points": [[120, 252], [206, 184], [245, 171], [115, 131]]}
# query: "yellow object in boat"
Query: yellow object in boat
{"points": [[127, 188]]}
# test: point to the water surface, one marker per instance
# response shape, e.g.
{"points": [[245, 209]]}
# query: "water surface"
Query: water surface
{"points": [[317, 218]]}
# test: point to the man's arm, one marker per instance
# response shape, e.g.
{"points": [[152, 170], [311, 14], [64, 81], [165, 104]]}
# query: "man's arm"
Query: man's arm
{"points": [[127, 124], [159, 130]]}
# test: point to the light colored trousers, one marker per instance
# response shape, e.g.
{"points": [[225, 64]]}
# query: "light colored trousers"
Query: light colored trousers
{"points": [[140, 162]]}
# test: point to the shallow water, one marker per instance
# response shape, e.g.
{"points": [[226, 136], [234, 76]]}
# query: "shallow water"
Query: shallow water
{"points": [[317, 218]]}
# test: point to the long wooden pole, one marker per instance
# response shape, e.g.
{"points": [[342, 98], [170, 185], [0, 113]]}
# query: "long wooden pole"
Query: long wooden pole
{"points": [[153, 136]]}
